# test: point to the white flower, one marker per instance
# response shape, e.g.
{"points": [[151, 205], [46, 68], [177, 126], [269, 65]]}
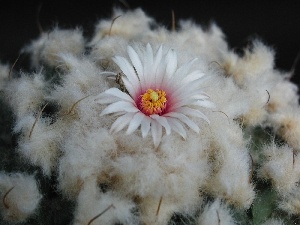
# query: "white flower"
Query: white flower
{"points": [[159, 94]]}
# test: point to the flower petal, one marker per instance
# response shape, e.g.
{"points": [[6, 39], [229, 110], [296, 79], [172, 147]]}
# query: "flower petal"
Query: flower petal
{"points": [[184, 80], [192, 112], [119, 106], [200, 96], [148, 68], [120, 94], [157, 67], [192, 102], [204, 103], [135, 122], [186, 90], [171, 61], [121, 122], [156, 130], [145, 126], [177, 127], [182, 71], [104, 98], [195, 75], [157, 58], [133, 91], [167, 69], [163, 122], [185, 120], [136, 61], [127, 69], [182, 88]]}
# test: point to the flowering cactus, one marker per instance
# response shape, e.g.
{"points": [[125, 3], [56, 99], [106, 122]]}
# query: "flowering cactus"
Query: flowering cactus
{"points": [[137, 125]]}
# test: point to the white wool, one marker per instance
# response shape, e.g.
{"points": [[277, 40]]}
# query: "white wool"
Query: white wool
{"points": [[271, 93], [183, 57], [156, 211], [87, 113], [26, 93], [82, 80], [66, 97], [232, 181], [255, 74], [216, 213], [140, 174], [286, 123], [290, 202], [225, 133], [283, 94], [256, 114], [20, 196], [39, 142], [142, 184], [254, 63], [234, 102], [160, 35], [177, 166], [231, 164], [75, 96], [186, 167], [4, 75], [112, 207], [133, 144], [83, 74], [226, 95], [193, 38], [282, 166], [86, 154], [129, 25], [273, 222], [258, 95], [48, 46], [103, 51]]}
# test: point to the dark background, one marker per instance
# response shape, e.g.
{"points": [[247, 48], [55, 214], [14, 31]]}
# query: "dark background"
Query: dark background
{"points": [[276, 23]]}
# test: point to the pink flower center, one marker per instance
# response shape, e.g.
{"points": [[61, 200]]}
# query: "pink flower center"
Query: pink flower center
{"points": [[153, 102]]}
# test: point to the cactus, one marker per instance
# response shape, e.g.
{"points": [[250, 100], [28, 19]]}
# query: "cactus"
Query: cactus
{"points": [[143, 125]]}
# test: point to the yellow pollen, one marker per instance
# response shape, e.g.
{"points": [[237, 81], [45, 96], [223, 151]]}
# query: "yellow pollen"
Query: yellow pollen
{"points": [[154, 96], [153, 102]]}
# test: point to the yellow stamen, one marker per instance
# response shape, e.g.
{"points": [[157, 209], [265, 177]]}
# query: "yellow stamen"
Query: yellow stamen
{"points": [[153, 102]]}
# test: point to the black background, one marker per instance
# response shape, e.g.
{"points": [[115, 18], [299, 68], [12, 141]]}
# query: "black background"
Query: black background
{"points": [[276, 23]]}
